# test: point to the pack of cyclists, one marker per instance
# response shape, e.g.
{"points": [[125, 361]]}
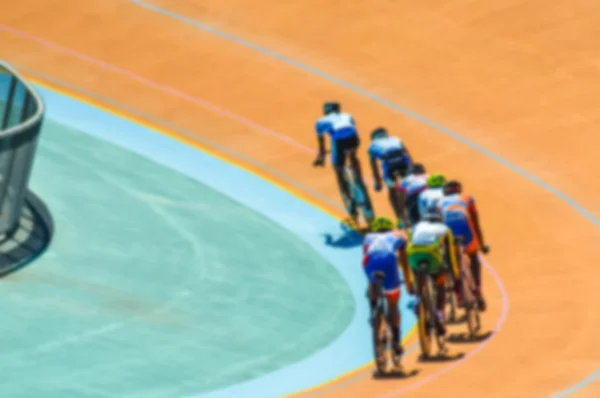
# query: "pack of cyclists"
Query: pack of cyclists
{"points": [[441, 222]]}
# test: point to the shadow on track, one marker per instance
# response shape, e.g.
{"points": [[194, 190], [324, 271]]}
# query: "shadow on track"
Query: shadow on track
{"points": [[463, 338], [395, 375], [348, 237], [442, 358]]}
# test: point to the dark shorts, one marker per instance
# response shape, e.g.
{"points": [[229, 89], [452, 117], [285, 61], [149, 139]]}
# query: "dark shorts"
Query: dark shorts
{"points": [[395, 164], [392, 171], [340, 147]]}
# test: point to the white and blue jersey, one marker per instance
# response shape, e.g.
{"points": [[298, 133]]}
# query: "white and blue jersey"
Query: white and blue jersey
{"points": [[338, 125], [390, 152], [413, 184], [429, 199], [380, 253]]}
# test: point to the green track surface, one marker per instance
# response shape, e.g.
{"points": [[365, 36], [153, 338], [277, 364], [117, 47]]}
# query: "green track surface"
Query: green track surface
{"points": [[155, 285]]}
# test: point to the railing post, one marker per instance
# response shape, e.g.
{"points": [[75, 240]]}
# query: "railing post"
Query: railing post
{"points": [[25, 110], [9, 100]]}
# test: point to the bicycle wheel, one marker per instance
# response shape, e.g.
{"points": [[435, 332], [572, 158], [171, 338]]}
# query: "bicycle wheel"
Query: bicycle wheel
{"points": [[349, 202], [362, 199], [425, 315], [451, 295], [380, 340], [471, 306]]}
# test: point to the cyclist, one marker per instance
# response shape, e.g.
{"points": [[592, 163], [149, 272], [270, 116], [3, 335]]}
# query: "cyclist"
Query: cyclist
{"points": [[432, 194], [344, 141], [383, 249], [395, 162], [432, 242], [411, 187], [461, 216]]}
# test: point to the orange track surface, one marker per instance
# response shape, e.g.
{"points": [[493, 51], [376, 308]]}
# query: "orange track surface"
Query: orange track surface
{"points": [[518, 78]]}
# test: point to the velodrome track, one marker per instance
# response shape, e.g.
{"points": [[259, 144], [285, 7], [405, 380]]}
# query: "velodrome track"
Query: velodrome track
{"points": [[502, 95]]}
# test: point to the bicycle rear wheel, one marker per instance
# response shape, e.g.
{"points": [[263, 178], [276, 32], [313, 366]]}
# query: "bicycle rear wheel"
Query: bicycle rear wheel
{"points": [[451, 295], [471, 306], [380, 340], [426, 317], [362, 199]]}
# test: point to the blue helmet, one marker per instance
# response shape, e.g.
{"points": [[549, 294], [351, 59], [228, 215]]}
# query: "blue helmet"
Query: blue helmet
{"points": [[379, 132], [331, 107]]}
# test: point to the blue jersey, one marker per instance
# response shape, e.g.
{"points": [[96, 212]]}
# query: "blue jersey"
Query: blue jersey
{"points": [[390, 151], [337, 125]]}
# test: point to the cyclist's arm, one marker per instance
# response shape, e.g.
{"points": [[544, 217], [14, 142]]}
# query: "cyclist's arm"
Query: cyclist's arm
{"points": [[452, 254], [375, 168], [475, 217], [373, 162], [321, 128]]}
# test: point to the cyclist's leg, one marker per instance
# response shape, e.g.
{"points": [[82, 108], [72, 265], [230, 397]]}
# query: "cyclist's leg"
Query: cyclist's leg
{"points": [[351, 145], [338, 159], [391, 285], [416, 256], [438, 273], [412, 207], [393, 193], [475, 264]]}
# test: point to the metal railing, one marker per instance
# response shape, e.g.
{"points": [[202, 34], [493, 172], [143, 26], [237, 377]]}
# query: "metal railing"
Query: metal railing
{"points": [[21, 118]]}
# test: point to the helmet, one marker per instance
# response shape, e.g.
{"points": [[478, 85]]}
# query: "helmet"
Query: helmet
{"points": [[382, 224], [379, 132], [452, 187], [417, 168], [436, 180], [331, 107]]}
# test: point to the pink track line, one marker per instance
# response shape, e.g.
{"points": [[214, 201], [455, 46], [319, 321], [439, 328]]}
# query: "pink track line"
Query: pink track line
{"points": [[161, 87], [233, 116], [481, 346]]}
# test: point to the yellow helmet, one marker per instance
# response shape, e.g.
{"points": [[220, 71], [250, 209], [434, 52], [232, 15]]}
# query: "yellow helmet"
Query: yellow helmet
{"points": [[382, 224]]}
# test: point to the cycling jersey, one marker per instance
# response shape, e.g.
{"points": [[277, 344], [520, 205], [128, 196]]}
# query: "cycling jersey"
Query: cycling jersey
{"points": [[429, 199], [456, 210], [381, 254], [338, 125], [413, 184], [394, 159], [426, 246]]}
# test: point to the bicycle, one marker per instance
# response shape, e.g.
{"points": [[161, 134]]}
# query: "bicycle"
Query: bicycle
{"points": [[468, 289], [379, 324], [452, 299], [426, 315], [359, 199]]}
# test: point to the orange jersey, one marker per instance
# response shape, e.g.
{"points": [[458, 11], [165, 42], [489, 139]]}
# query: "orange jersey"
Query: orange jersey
{"points": [[457, 211]]}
